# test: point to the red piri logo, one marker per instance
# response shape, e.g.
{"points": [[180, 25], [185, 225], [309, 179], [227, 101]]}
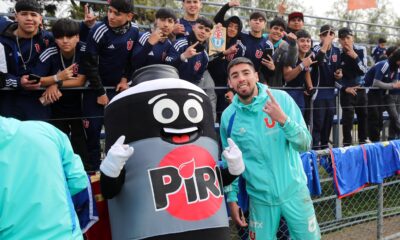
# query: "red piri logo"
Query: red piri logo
{"points": [[268, 124], [252, 235], [259, 53], [185, 184], [37, 47], [129, 44]]}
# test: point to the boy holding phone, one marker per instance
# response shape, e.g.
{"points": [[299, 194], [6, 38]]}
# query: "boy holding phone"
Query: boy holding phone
{"points": [[61, 67], [23, 42]]}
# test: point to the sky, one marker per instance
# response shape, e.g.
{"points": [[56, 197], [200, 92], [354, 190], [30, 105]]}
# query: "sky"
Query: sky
{"points": [[323, 6]]}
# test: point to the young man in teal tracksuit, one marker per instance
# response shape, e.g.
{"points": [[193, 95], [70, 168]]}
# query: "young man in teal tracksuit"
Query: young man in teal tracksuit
{"points": [[268, 128]]}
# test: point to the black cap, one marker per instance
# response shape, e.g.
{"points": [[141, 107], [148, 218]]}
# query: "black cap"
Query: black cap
{"points": [[28, 5], [257, 14], [125, 6], [326, 28], [344, 32], [278, 22], [166, 13]]}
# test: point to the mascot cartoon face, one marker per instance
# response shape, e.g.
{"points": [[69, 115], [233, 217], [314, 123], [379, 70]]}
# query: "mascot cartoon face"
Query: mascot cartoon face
{"points": [[171, 178]]}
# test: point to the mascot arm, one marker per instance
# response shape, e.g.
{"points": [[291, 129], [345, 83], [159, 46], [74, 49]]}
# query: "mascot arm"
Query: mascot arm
{"points": [[110, 186]]}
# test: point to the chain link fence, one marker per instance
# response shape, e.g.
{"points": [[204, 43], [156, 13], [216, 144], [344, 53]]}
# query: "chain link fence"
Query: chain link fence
{"points": [[372, 213]]}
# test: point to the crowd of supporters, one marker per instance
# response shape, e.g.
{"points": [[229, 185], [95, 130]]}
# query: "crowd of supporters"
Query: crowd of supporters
{"points": [[104, 54]]}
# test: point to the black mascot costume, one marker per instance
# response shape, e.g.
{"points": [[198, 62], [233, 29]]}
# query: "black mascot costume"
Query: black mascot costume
{"points": [[170, 187]]}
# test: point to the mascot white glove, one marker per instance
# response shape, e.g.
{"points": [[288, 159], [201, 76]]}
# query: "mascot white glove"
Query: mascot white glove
{"points": [[233, 156], [116, 158]]}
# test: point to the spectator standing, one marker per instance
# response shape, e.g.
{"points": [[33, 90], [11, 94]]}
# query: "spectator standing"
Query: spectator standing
{"points": [[379, 51], [324, 74], [23, 42], [153, 46], [61, 67], [299, 75], [191, 10], [352, 98], [108, 50]]}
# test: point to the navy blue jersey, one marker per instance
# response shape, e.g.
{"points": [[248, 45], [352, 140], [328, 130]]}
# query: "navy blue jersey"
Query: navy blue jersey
{"points": [[322, 74], [193, 68], [146, 54], [353, 69], [85, 208], [383, 160], [377, 53], [299, 80], [381, 71], [113, 51], [50, 64], [350, 169], [188, 27], [20, 60], [310, 166], [253, 48]]}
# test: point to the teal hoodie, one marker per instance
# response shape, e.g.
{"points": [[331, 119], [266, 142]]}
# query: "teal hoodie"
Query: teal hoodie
{"points": [[274, 170], [38, 174]]}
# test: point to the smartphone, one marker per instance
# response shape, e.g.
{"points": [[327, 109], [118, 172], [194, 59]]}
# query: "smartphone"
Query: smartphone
{"points": [[199, 47], [267, 52], [34, 77]]}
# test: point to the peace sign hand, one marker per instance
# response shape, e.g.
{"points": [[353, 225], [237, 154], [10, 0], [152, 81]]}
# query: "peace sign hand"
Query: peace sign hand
{"points": [[191, 51], [273, 109]]}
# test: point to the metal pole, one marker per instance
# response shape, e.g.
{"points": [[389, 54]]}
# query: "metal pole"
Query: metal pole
{"points": [[379, 232], [338, 209]]}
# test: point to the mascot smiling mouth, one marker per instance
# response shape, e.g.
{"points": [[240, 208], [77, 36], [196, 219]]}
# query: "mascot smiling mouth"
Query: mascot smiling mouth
{"points": [[180, 136]]}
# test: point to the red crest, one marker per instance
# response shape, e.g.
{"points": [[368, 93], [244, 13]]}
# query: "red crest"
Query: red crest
{"points": [[46, 42], [334, 58], [268, 124], [259, 53], [75, 69], [252, 235], [163, 56], [197, 66], [129, 45], [37, 47]]}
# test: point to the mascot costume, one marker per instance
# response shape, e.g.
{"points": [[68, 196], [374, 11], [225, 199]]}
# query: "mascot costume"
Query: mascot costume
{"points": [[170, 186]]}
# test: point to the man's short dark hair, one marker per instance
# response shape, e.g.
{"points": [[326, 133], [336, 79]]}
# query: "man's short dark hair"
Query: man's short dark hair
{"points": [[278, 22], [239, 60], [28, 5], [166, 13], [381, 40], [65, 27], [205, 22], [124, 6], [303, 34]]}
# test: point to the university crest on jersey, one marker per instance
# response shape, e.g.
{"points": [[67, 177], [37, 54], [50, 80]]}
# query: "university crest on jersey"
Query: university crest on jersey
{"points": [[37, 47], [197, 66], [334, 58], [129, 44], [259, 53]]}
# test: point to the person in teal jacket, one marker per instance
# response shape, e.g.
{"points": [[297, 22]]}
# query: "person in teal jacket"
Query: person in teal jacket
{"points": [[269, 129], [39, 173]]}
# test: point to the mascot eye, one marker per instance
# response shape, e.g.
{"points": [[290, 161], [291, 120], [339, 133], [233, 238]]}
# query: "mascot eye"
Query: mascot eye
{"points": [[193, 111], [166, 111]]}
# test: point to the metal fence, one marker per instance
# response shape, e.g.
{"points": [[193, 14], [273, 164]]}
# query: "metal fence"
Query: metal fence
{"points": [[372, 213]]}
